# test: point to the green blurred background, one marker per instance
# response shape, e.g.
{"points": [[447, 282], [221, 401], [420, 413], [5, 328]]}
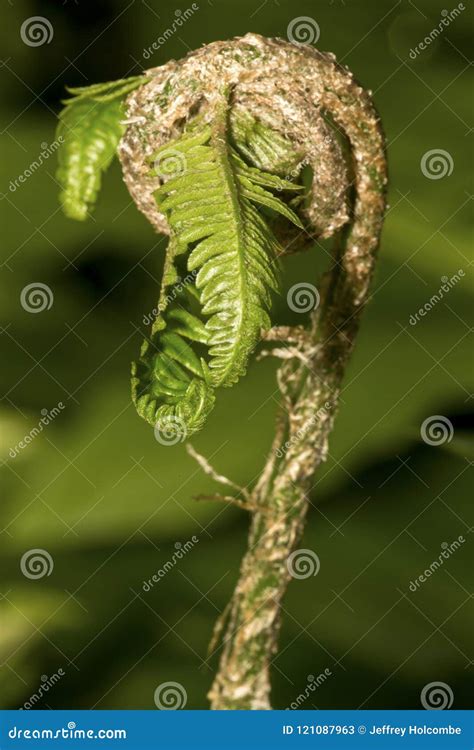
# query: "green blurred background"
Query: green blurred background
{"points": [[110, 504]]}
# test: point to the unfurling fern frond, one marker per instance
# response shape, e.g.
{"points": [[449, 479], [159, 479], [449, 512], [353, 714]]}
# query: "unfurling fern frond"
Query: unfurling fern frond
{"points": [[170, 380], [204, 334], [89, 131]]}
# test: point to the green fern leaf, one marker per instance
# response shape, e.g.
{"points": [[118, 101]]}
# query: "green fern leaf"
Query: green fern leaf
{"points": [[203, 338], [89, 131]]}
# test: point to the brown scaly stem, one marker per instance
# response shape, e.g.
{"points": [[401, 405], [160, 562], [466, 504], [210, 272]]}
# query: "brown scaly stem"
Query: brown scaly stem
{"points": [[295, 90], [250, 641]]}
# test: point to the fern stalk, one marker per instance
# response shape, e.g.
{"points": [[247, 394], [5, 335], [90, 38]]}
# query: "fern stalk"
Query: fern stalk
{"points": [[280, 499]]}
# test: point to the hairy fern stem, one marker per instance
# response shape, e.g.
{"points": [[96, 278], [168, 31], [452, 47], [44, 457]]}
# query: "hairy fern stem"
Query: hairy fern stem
{"points": [[309, 386]]}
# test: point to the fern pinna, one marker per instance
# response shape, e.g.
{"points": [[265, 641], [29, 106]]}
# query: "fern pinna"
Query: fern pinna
{"points": [[219, 206], [89, 130]]}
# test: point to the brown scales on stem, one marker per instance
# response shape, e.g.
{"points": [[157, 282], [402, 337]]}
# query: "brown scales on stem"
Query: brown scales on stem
{"points": [[297, 91]]}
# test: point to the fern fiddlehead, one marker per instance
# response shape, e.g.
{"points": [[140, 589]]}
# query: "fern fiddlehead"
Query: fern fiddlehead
{"points": [[244, 117], [269, 128]]}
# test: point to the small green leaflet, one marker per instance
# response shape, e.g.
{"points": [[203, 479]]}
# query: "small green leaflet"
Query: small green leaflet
{"points": [[89, 131]]}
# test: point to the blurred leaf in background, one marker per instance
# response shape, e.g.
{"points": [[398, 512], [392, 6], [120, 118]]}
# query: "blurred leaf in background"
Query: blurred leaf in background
{"points": [[111, 506]]}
